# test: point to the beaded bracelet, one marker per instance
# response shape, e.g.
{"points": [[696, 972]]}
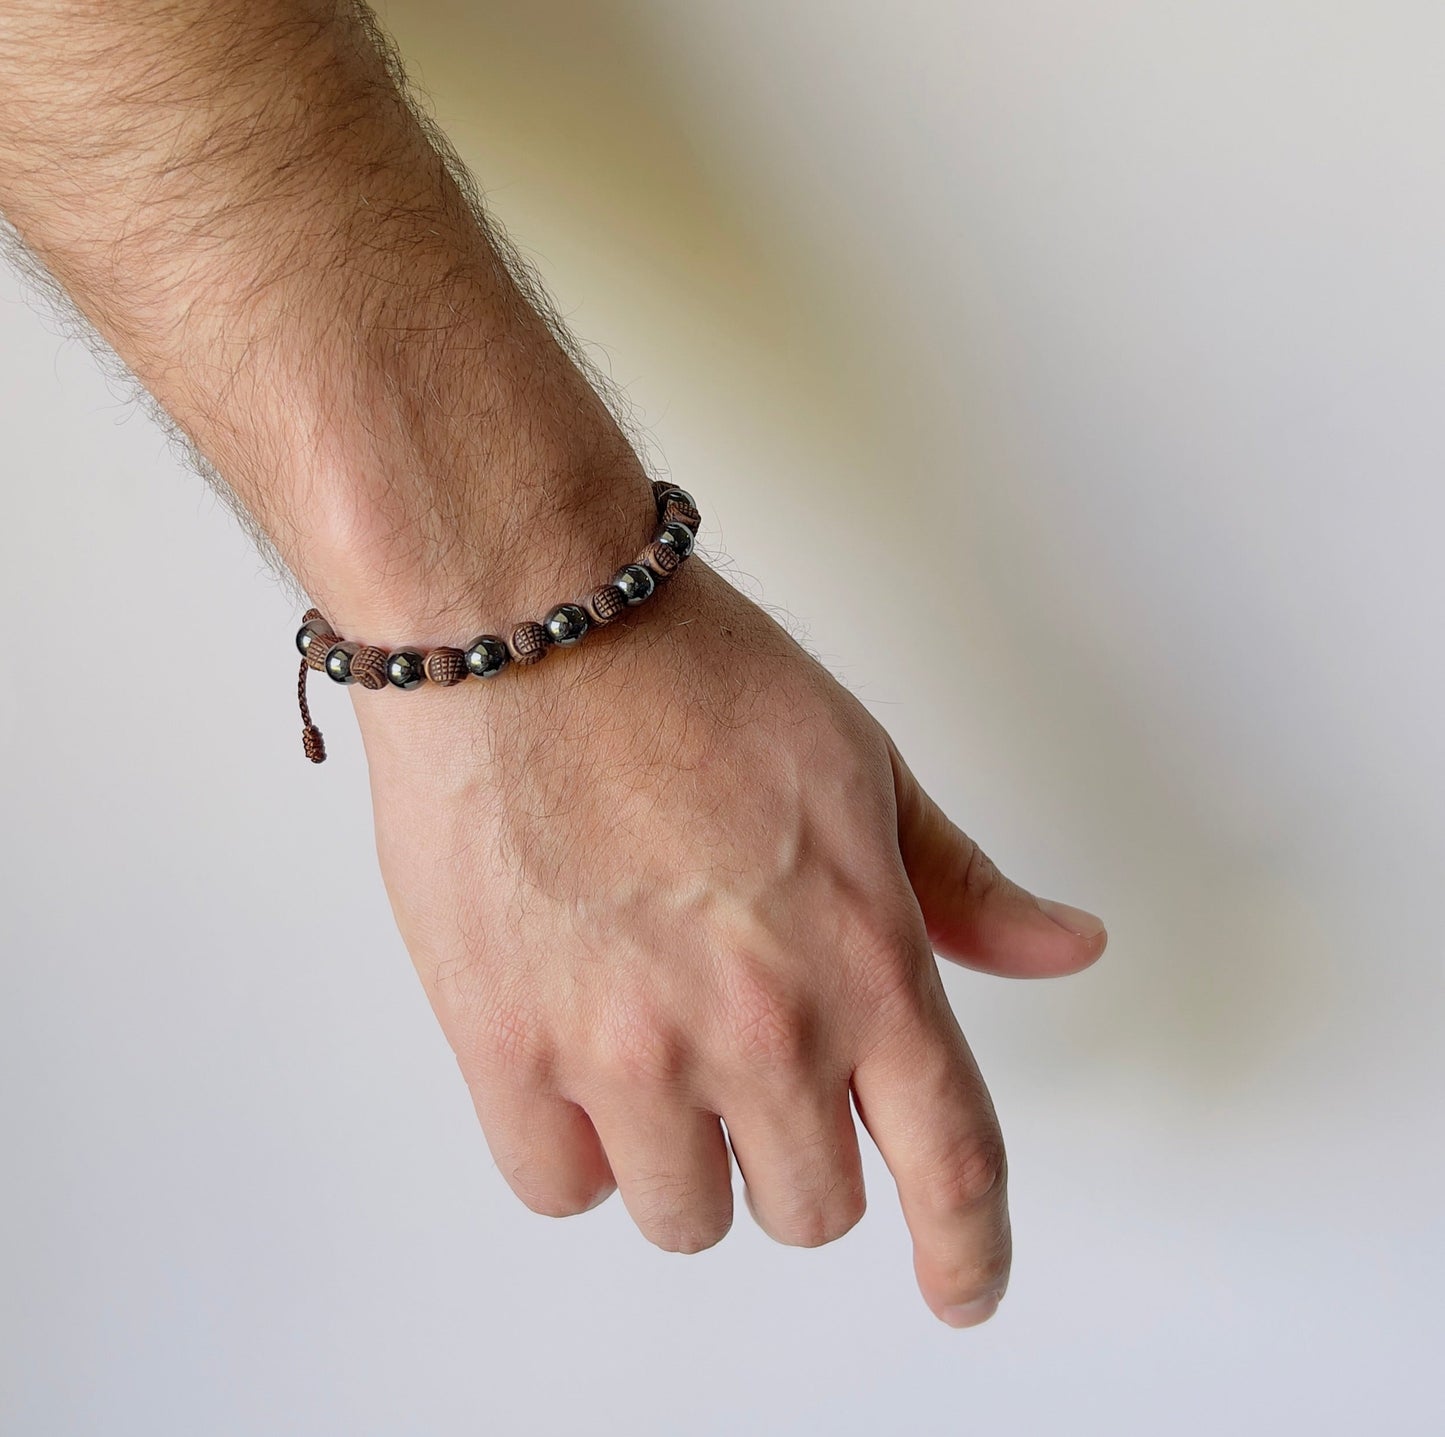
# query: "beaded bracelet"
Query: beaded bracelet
{"points": [[486, 656]]}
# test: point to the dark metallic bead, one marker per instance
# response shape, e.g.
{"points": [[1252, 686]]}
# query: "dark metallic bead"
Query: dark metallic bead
{"points": [[338, 661], [405, 669], [317, 628], [635, 582], [567, 624], [678, 537], [488, 655]]}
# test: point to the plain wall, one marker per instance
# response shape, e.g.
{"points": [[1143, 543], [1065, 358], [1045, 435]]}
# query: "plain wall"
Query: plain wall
{"points": [[1071, 375]]}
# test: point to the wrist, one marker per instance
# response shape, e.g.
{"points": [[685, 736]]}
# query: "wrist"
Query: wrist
{"points": [[450, 484], [500, 548]]}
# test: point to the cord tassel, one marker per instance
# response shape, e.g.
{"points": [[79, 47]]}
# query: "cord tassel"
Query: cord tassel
{"points": [[311, 740]]}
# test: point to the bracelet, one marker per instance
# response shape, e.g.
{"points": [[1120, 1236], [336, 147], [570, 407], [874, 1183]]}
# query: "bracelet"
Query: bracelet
{"points": [[346, 662]]}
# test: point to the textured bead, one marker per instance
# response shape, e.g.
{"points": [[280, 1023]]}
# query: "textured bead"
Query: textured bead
{"points": [[368, 667], [317, 650], [487, 655], [446, 667], [635, 582], [607, 603], [312, 629], [680, 513], [676, 536], [566, 625], [529, 642], [677, 505], [405, 669], [338, 661], [661, 558]]}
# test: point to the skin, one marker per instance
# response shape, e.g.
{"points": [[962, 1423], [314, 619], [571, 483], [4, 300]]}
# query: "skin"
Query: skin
{"points": [[674, 879]]}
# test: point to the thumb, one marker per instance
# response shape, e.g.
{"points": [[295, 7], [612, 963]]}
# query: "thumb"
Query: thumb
{"points": [[974, 914]]}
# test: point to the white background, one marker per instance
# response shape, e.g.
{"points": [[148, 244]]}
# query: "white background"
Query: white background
{"points": [[1071, 374]]}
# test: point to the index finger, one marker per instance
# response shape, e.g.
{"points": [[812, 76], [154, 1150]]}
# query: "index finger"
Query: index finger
{"points": [[924, 1103]]}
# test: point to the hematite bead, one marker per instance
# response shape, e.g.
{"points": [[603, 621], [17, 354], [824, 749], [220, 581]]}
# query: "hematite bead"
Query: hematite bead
{"points": [[446, 667], [676, 536], [316, 629], [608, 603], [368, 667], [635, 582], [338, 662], [405, 669], [488, 655], [530, 642], [566, 624]]}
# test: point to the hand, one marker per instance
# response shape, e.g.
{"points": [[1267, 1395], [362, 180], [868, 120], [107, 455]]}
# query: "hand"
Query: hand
{"points": [[675, 876], [680, 875]]}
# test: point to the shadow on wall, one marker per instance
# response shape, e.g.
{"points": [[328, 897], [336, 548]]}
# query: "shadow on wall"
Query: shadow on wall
{"points": [[579, 128]]}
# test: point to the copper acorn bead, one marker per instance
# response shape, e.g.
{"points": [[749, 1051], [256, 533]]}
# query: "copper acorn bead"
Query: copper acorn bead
{"points": [[530, 642], [368, 667], [607, 603], [405, 669], [317, 649], [674, 504], [660, 559], [445, 667], [487, 656]]}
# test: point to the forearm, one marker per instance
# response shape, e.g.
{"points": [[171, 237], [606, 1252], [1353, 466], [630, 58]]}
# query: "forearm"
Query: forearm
{"points": [[239, 198]]}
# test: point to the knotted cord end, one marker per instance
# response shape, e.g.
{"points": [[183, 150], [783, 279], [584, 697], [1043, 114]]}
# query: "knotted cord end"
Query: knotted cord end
{"points": [[313, 743]]}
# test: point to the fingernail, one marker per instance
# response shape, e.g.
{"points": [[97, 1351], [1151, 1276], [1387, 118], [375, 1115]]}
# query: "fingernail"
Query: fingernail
{"points": [[1075, 920], [970, 1314]]}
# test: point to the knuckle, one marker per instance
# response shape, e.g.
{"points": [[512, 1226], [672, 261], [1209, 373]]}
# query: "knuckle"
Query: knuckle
{"points": [[641, 1050], [979, 877], [767, 1028], [507, 1040], [888, 962], [973, 1173]]}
